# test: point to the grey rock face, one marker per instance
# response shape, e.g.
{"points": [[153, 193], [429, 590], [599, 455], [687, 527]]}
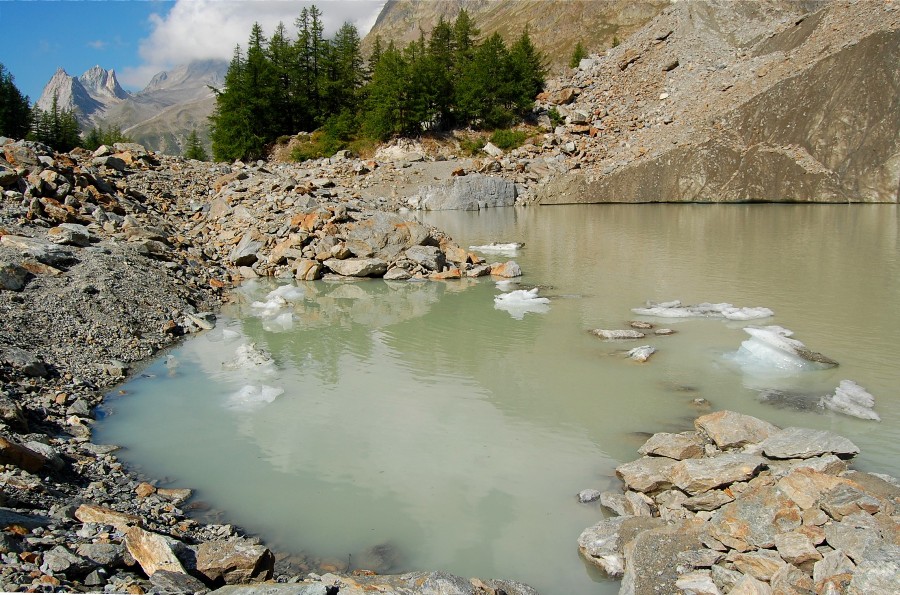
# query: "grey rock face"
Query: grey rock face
{"points": [[468, 193], [429, 257]]}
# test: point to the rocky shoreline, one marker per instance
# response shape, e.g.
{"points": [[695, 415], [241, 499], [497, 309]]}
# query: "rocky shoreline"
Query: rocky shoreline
{"points": [[105, 260], [741, 506]]}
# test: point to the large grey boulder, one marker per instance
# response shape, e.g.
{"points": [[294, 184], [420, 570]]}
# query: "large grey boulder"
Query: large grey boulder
{"points": [[357, 267], [245, 253], [803, 443], [603, 544], [468, 193], [429, 257], [41, 250], [235, 561]]}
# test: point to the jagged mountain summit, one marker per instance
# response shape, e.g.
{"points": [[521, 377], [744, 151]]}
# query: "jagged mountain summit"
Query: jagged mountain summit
{"points": [[86, 95], [160, 116]]}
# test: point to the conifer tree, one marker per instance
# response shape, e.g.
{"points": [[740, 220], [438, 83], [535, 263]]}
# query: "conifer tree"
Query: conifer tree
{"points": [[15, 112], [193, 148], [285, 106], [231, 128], [57, 128]]}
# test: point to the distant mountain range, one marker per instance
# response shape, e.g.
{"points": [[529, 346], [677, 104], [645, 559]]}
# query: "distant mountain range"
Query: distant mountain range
{"points": [[159, 117]]}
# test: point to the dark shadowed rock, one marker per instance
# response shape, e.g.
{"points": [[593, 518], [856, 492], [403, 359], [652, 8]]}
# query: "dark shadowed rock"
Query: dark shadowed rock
{"points": [[175, 583]]}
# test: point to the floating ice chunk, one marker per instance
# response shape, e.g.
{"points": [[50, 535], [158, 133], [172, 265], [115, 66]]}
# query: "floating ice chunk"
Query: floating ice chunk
{"points": [[279, 324], [642, 353], [617, 334], [675, 309], [252, 397], [521, 301], [771, 348], [850, 398], [248, 357], [499, 248]]}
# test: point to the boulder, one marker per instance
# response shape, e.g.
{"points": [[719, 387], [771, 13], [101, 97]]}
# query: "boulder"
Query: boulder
{"points": [[308, 270], [507, 269], [245, 252], [603, 544], [122, 521], [40, 250], [760, 564], [589, 495], [397, 274], [109, 555], [796, 548], [750, 586], [733, 430], [695, 476], [803, 443], [12, 276], [646, 474], [751, 520], [167, 581], [468, 193], [614, 334], [357, 267], [687, 445], [18, 455], [152, 551], [70, 234], [235, 561], [60, 560], [24, 361], [698, 582], [430, 257], [879, 574]]}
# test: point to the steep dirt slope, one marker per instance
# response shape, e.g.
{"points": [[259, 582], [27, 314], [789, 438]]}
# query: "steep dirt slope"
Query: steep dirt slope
{"points": [[730, 101], [555, 25]]}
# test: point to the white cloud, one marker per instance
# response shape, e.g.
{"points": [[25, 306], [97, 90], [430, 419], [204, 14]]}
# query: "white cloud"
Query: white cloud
{"points": [[205, 29]]}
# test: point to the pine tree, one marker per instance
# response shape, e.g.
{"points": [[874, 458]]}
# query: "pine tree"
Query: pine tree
{"points": [[343, 71], [193, 149], [578, 54], [15, 113], [57, 127], [285, 106], [230, 123], [528, 68], [99, 135], [386, 106]]}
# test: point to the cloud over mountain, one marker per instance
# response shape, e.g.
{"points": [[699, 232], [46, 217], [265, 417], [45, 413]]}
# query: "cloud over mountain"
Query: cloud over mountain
{"points": [[210, 29]]}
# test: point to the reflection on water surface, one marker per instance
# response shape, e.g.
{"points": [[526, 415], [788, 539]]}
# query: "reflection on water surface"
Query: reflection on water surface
{"points": [[419, 419]]}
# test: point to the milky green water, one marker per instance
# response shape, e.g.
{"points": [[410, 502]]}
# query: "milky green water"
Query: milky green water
{"points": [[418, 415]]}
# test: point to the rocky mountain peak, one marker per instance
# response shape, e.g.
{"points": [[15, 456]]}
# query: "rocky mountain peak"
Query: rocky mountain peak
{"points": [[70, 94], [101, 82]]}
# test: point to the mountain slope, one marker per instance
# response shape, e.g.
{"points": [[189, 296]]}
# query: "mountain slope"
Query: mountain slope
{"points": [[555, 26], [725, 101], [86, 95]]}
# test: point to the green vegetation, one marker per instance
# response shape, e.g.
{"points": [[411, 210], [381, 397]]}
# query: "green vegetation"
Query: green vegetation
{"points": [[15, 113], [57, 128], [556, 118], [193, 148], [509, 139], [615, 41], [281, 86], [578, 54], [104, 136], [471, 145]]}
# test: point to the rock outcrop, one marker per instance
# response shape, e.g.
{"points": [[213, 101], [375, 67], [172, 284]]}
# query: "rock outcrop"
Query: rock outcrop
{"points": [[741, 506]]}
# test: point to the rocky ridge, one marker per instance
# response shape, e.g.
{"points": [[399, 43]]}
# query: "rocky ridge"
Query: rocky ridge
{"points": [[741, 506]]}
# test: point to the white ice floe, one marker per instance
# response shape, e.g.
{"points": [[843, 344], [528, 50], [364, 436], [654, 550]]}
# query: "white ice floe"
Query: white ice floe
{"points": [[522, 301], [675, 309], [498, 248], [642, 353], [252, 397], [850, 398], [247, 357], [771, 349]]}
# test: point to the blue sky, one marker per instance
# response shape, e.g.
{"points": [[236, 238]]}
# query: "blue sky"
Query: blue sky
{"points": [[138, 38]]}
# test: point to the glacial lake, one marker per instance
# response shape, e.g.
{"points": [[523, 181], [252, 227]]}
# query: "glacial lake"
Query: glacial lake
{"points": [[413, 425]]}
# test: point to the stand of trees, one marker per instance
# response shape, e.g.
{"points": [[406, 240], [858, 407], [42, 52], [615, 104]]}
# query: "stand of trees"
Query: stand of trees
{"points": [[15, 112], [280, 86], [55, 127]]}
